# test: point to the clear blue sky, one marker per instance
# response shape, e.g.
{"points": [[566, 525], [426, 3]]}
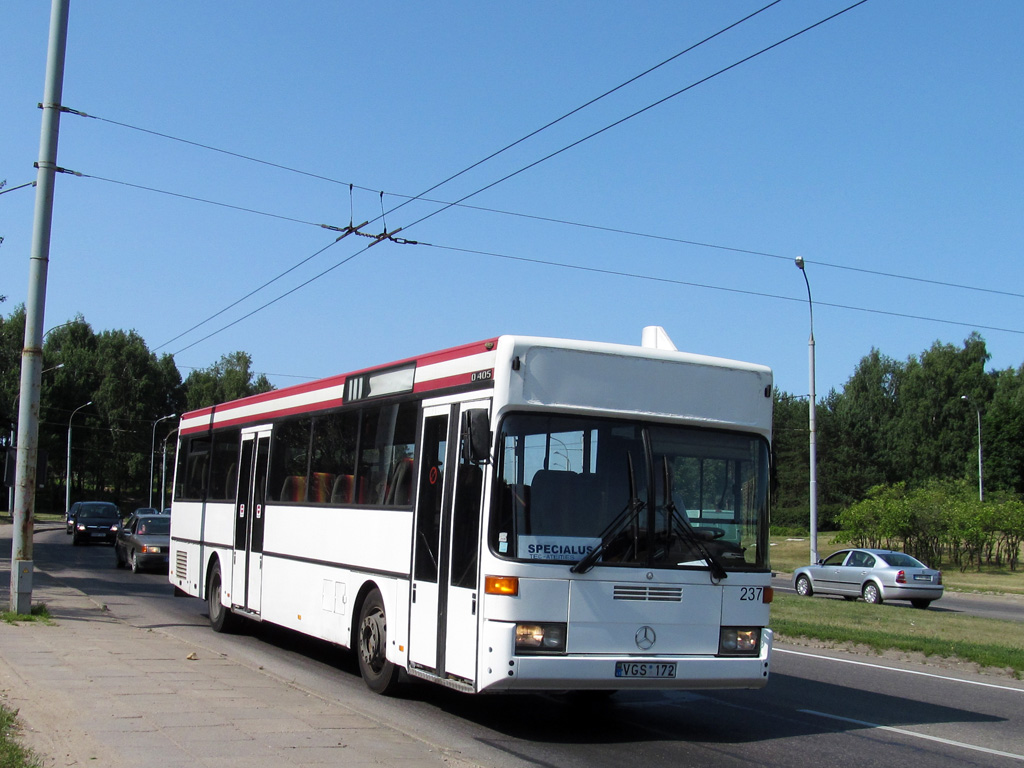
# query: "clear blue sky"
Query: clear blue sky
{"points": [[887, 140]]}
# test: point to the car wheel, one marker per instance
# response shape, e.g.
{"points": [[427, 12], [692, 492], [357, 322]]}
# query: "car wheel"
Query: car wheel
{"points": [[920, 603], [221, 617], [133, 560], [379, 674], [803, 587], [872, 594]]}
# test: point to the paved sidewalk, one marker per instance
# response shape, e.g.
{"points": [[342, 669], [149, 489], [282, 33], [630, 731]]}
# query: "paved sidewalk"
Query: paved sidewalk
{"points": [[93, 690]]}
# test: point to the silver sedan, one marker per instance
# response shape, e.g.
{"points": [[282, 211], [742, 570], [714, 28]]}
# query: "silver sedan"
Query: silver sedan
{"points": [[874, 574], [143, 542]]}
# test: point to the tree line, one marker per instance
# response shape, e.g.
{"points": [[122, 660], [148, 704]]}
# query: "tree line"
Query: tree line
{"points": [[897, 454], [938, 523], [128, 389]]}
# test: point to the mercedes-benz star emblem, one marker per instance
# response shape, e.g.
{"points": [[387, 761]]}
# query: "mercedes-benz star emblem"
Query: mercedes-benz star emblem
{"points": [[645, 638]]}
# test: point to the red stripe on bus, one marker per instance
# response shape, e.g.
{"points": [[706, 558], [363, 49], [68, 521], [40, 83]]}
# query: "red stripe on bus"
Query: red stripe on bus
{"points": [[266, 398]]}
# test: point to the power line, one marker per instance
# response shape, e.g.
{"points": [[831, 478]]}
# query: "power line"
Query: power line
{"points": [[243, 298], [548, 219], [20, 186], [672, 281], [207, 202], [448, 204], [491, 156], [544, 159], [587, 104], [272, 301], [640, 111]]}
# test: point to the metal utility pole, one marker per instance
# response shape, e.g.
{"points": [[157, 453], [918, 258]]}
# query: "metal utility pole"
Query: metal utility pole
{"points": [[32, 354], [813, 447]]}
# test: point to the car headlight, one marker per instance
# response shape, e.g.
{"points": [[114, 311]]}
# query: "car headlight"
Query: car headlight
{"points": [[81, 526], [540, 638], [739, 641]]}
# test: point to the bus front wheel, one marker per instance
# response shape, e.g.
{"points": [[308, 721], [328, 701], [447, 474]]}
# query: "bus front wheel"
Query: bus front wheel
{"points": [[379, 674]]}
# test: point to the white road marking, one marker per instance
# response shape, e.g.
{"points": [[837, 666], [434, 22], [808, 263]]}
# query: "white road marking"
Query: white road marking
{"points": [[905, 732], [897, 669]]}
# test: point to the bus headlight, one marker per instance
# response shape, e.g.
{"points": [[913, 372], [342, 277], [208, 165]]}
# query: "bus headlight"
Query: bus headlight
{"points": [[540, 638], [739, 641]]}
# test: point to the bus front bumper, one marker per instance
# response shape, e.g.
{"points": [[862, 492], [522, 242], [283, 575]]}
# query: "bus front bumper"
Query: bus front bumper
{"points": [[501, 672]]}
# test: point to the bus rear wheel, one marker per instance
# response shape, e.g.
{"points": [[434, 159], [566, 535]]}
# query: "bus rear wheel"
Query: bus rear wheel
{"points": [[379, 674], [221, 617]]}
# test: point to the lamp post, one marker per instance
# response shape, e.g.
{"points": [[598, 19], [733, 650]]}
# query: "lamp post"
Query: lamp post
{"points": [[981, 485], [163, 470], [67, 481], [152, 452], [813, 431]]}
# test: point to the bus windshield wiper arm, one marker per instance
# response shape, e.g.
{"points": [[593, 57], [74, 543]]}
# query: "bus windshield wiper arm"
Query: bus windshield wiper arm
{"points": [[627, 515], [714, 564]]}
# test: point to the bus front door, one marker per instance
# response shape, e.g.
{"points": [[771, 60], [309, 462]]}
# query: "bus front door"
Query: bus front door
{"points": [[444, 604], [250, 507]]}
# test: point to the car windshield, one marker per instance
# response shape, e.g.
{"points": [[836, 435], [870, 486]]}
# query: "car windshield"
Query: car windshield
{"points": [[154, 526], [98, 512], [900, 560], [649, 495]]}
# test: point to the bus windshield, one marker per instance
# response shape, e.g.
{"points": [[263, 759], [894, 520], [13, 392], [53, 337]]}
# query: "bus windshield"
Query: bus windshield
{"points": [[647, 495]]}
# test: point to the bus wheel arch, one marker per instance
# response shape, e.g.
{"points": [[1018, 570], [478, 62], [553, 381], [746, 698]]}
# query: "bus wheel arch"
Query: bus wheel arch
{"points": [[369, 641], [222, 619]]}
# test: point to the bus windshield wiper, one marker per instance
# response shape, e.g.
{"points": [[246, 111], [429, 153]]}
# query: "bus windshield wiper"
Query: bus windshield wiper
{"points": [[627, 515], [714, 564]]}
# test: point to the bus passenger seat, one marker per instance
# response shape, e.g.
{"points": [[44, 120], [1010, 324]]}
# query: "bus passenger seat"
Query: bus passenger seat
{"points": [[554, 499], [400, 488], [321, 489], [341, 493], [294, 488]]}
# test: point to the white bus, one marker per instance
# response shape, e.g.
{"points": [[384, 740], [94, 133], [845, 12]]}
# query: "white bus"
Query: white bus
{"points": [[512, 515]]}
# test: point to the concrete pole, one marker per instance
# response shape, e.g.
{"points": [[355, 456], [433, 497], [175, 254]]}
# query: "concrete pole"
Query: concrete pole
{"points": [[32, 354]]}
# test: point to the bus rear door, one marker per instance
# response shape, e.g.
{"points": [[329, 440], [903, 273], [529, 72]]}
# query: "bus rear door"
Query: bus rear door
{"points": [[250, 516]]}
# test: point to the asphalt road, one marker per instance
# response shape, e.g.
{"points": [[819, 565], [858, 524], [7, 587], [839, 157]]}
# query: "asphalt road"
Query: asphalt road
{"points": [[816, 710]]}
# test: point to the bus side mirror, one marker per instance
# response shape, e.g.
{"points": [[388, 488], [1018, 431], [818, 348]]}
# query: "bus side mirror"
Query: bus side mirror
{"points": [[476, 436]]}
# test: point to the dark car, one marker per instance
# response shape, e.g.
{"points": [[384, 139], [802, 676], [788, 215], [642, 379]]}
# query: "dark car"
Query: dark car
{"points": [[70, 518], [874, 574], [95, 521], [143, 542]]}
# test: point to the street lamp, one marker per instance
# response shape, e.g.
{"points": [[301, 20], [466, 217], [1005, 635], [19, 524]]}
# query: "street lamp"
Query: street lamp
{"points": [[67, 481], [813, 431], [163, 470], [981, 486], [152, 452]]}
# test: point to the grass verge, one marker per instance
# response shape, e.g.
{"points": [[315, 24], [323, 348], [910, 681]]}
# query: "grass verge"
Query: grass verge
{"points": [[987, 642], [12, 753], [39, 613]]}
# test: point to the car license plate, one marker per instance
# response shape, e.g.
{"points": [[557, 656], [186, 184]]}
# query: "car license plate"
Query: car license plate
{"points": [[651, 669], [98, 533], [922, 577]]}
